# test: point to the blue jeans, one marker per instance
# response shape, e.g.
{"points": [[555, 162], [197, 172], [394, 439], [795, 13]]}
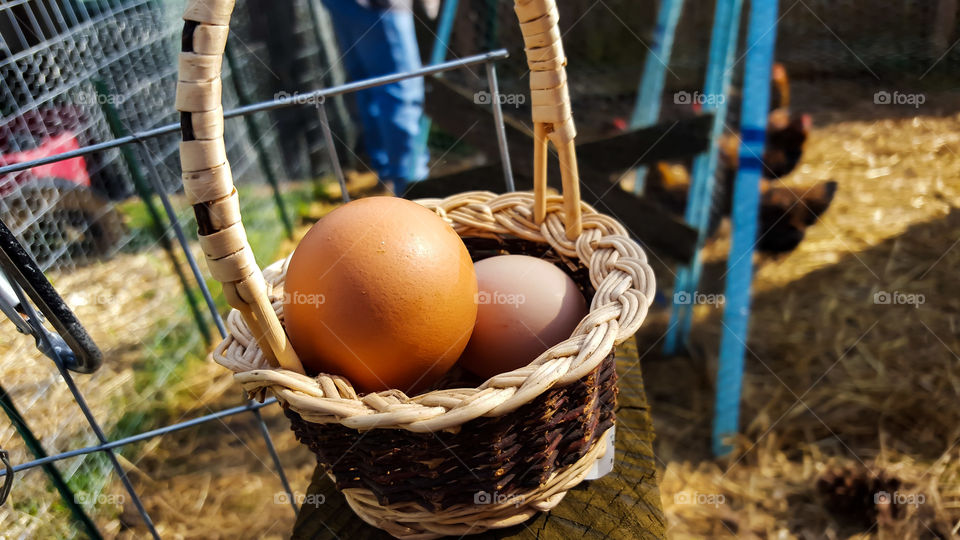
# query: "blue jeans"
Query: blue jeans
{"points": [[374, 43]]}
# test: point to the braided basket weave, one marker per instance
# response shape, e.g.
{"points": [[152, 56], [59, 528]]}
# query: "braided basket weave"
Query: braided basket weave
{"points": [[463, 458]]}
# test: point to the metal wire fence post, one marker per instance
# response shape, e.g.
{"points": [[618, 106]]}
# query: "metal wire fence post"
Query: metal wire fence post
{"points": [[265, 164], [36, 448], [332, 149], [146, 194], [498, 121], [723, 46], [42, 336]]}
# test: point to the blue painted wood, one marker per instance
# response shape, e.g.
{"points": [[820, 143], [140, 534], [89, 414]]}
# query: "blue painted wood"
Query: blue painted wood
{"points": [[444, 29], [761, 38], [438, 54], [723, 47], [646, 109]]}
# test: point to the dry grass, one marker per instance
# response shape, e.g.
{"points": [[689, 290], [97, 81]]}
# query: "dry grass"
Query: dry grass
{"points": [[120, 309], [834, 378], [154, 373]]}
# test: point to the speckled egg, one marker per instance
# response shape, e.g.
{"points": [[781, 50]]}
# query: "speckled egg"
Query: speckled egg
{"points": [[383, 292]]}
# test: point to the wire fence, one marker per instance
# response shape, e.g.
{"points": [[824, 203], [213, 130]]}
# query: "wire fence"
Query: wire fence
{"points": [[53, 53], [78, 73], [51, 103], [902, 42]]}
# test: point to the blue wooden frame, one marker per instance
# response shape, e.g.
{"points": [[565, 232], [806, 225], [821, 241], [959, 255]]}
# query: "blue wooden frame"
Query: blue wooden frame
{"points": [[723, 48], [438, 54], [646, 109], [761, 38]]}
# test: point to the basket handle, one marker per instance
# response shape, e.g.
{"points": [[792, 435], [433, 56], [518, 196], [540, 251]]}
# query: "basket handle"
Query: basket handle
{"points": [[208, 182], [550, 105]]}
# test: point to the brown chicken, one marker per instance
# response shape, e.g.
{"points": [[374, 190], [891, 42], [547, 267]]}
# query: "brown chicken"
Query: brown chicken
{"points": [[779, 87], [785, 213], [786, 136], [784, 216]]}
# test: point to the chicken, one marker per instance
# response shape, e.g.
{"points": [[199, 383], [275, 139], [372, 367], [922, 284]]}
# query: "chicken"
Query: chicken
{"points": [[786, 136], [779, 95], [786, 132], [779, 87], [668, 183], [785, 214]]}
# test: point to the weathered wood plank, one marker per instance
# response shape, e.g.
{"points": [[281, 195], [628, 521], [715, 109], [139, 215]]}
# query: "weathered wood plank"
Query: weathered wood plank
{"points": [[647, 223], [625, 504], [453, 109]]}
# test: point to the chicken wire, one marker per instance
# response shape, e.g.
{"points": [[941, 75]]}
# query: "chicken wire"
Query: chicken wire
{"points": [[896, 44], [52, 57]]}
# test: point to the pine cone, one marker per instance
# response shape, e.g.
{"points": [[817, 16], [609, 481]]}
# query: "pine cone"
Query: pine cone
{"points": [[852, 493]]}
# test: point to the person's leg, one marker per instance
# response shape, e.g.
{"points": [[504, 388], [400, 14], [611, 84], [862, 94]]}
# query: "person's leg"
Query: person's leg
{"points": [[352, 24], [391, 47], [401, 113]]}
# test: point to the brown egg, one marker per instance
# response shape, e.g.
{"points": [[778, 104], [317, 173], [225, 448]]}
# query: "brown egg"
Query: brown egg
{"points": [[527, 305], [383, 292]]}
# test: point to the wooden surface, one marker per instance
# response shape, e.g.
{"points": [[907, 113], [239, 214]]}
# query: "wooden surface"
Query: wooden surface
{"points": [[625, 504]]}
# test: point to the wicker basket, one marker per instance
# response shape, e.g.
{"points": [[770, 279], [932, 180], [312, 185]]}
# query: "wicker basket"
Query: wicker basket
{"points": [[471, 455]]}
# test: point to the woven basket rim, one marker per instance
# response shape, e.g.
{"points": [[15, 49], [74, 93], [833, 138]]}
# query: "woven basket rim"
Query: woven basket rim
{"points": [[618, 270]]}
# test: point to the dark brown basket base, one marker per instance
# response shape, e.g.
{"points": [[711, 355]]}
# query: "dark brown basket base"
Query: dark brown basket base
{"points": [[500, 457]]}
